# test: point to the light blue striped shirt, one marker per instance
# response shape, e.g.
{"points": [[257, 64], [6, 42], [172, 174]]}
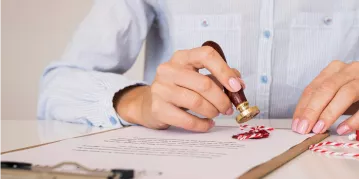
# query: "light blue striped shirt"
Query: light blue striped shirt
{"points": [[279, 46]]}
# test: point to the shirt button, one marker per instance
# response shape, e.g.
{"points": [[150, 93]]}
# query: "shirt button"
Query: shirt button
{"points": [[113, 120], [267, 34], [264, 79], [204, 23], [328, 20]]}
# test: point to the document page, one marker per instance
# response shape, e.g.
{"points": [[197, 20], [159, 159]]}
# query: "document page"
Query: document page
{"points": [[175, 153]]}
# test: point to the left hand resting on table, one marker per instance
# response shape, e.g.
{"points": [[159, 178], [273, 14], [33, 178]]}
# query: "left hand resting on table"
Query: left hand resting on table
{"points": [[333, 92]]}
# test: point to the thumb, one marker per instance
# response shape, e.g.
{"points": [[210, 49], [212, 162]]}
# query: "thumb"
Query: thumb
{"points": [[240, 77], [219, 83]]}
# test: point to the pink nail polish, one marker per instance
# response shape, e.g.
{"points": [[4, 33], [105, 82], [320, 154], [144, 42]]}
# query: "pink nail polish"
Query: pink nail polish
{"points": [[295, 124], [235, 84], [318, 126], [229, 111], [211, 123], [343, 129], [302, 126]]}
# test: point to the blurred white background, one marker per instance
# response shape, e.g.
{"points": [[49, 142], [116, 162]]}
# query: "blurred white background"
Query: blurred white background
{"points": [[34, 33]]}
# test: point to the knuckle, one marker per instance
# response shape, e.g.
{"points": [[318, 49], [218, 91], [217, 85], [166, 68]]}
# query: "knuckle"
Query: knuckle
{"points": [[336, 63], [163, 68], [205, 85], [327, 87], [351, 90], [328, 114], [196, 101], [213, 114], [189, 124], [207, 52], [179, 56], [308, 91], [224, 104], [298, 111], [185, 94], [224, 70], [309, 111]]}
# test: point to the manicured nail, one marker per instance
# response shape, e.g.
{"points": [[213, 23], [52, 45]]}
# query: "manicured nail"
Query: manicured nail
{"points": [[235, 84], [302, 126], [295, 124], [344, 129], [318, 126], [212, 123], [229, 111]]}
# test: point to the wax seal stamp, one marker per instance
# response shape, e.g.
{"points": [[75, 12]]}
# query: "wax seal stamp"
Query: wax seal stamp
{"points": [[238, 99]]}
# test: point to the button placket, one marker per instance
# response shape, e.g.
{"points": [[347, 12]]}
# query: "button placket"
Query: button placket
{"points": [[264, 57]]}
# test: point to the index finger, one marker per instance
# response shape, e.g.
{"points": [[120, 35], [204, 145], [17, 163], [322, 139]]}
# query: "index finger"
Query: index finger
{"points": [[207, 57], [303, 106]]}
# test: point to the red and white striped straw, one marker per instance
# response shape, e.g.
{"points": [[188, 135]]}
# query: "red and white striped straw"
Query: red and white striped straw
{"points": [[245, 126], [316, 148], [254, 132], [252, 136], [336, 144]]}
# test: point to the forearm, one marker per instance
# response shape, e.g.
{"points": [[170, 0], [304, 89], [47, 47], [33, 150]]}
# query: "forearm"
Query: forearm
{"points": [[81, 96]]}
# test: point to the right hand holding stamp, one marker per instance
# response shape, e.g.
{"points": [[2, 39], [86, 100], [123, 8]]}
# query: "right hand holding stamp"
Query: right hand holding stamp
{"points": [[177, 86]]}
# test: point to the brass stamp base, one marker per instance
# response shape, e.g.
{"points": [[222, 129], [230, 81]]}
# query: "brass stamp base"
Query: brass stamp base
{"points": [[246, 113]]}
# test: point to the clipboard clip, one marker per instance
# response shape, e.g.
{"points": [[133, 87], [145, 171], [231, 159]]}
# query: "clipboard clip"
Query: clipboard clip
{"points": [[73, 169]]}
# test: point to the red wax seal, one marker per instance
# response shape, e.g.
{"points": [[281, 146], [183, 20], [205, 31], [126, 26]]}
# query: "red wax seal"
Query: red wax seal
{"points": [[258, 132]]}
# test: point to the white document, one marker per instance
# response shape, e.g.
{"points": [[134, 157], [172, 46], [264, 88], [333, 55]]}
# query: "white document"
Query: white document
{"points": [[177, 153]]}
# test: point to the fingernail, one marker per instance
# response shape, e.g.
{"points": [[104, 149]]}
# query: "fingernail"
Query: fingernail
{"points": [[318, 126], [212, 123], [302, 126], [229, 111], [344, 129], [235, 84], [294, 124]]}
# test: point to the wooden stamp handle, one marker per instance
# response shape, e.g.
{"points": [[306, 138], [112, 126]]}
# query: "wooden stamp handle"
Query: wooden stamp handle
{"points": [[235, 97]]}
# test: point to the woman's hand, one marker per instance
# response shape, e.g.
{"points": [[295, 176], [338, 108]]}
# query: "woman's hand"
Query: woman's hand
{"points": [[178, 85], [327, 97]]}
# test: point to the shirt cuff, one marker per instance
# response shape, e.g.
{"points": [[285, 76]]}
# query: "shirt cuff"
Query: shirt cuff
{"points": [[113, 86]]}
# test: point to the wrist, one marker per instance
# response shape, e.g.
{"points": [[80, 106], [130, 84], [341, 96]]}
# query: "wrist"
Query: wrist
{"points": [[128, 103]]}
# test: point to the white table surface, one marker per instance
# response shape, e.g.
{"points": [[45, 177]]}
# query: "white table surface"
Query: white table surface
{"points": [[17, 134]]}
